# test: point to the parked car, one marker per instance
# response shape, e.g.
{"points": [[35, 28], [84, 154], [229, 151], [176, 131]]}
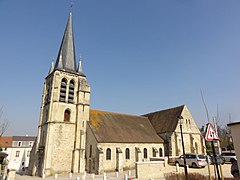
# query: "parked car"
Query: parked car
{"points": [[234, 168], [192, 159], [220, 159], [228, 156]]}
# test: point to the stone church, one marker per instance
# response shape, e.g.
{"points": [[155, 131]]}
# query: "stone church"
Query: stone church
{"points": [[167, 126], [73, 138]]}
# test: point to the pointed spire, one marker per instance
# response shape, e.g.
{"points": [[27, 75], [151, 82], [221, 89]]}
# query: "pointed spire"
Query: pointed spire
{"points": [[52, 67], [80, 71], [66, 55]]}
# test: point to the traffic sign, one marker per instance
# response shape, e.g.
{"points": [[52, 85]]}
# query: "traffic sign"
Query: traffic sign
{"points": [[211, 134]]}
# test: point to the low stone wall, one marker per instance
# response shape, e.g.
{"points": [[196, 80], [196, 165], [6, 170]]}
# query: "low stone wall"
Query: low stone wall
{"points": [[11, 174], [151, 169], [157, 158], [163, 159], [172, 159]]}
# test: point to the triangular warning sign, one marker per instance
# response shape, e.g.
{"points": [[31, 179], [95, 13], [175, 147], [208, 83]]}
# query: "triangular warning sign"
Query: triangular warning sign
{"points": [[211, 134]]}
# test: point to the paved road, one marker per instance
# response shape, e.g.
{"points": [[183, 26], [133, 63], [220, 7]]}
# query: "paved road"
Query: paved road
{"points": [[110, 176]]}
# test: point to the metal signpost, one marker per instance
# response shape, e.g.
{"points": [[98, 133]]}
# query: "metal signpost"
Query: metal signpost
{"points": [[211, 135], [180, 119]]}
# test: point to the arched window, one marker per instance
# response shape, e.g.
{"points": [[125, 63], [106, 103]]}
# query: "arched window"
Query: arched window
{"points": [[160, 152], [154, 152], [108, 154], [90, 154], [71, 92], [145, 153], [67, 115], [63, 90], [127, 153]]}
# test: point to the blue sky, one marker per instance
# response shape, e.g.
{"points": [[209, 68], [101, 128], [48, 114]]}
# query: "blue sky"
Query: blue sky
{"points": [[139, 56]]}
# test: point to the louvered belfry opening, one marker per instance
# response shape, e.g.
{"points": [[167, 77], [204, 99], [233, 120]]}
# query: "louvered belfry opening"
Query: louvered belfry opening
{"points": [[71, 92], [63, 90]]}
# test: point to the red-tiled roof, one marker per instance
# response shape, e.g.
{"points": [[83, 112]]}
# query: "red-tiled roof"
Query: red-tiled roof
{"points": [[6, 141]]}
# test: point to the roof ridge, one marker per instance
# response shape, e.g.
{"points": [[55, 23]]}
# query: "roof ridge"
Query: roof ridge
{"points": [[181, 106], [94, 110]]}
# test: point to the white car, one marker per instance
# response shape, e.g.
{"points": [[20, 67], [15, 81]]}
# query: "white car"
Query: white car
{"points": [[229, 156], [193, 160]]}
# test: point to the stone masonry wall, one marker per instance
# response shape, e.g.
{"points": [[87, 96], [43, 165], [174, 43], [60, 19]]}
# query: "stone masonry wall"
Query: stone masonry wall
{"points": [[192, 137], [110, 165]]}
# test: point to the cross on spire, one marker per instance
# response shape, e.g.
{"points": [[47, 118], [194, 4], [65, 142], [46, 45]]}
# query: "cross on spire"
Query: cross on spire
{"points": [[71, 5]]}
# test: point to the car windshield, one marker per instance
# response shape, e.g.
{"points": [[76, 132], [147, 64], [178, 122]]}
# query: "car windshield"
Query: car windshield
{"points": [[201, 156]]}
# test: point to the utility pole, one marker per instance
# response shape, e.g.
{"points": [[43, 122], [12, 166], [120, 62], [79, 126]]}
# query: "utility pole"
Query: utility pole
{"points": [[180, 119], [215, 124]]}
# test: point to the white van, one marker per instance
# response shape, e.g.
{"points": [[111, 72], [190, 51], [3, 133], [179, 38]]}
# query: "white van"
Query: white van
{"points": [[193, 160], [228, 156]]}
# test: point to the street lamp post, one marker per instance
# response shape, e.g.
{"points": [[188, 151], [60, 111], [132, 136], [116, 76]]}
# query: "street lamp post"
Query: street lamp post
{"points": [[166, 145], [180, 119]]}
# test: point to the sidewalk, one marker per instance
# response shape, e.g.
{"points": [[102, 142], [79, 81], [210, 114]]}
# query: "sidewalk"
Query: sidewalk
{"points": [[111, 176]]}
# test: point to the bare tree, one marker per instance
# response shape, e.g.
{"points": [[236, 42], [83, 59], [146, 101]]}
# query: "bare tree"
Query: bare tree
{"points": [[205, 105], [3, 123]]}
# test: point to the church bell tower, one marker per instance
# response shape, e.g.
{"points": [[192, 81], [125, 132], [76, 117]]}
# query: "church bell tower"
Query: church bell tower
{"points": [[60, 144]]}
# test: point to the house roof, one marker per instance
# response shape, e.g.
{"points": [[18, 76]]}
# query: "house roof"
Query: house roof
{"points": [[6, 141], [3, 154], [109, 127], [165, 120], [234, 123], [23, 138]]}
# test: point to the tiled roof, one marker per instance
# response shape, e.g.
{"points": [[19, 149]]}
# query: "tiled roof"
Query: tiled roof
{"points": [[6, 141], [165, 120], [109, 127]]}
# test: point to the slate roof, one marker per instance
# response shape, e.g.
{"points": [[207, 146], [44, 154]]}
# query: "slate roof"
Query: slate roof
{"points": [[66, 55], [233, 123], [23, 138], [109, 127], [165, 120]]}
